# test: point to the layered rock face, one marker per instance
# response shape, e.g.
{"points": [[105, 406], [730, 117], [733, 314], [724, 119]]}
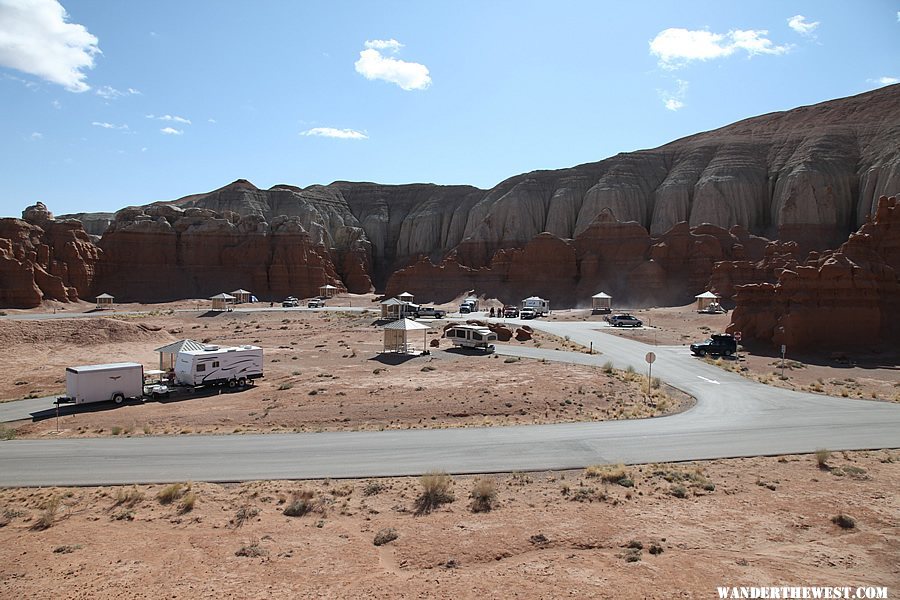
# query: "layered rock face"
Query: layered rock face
{"points": [[163, 252], [846, 297], [44, 258]]}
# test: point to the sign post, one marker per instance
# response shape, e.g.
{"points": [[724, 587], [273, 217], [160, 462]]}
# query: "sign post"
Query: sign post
{"points": [[783, 349], [650, 357]]}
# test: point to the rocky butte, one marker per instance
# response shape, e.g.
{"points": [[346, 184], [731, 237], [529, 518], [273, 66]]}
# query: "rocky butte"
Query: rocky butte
{"points": [[725, 208]]}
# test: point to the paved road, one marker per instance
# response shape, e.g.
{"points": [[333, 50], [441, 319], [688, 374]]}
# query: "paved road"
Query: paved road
{"points": [[260, 307], [733, 417]]}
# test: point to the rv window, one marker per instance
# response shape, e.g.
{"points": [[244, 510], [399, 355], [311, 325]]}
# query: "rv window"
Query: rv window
{"points": [[215, 363], [453, 333], [476, 336], [201, 368]]}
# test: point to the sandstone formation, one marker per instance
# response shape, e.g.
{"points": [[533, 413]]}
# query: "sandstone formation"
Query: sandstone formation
{"points": [[44, 258], [833, 299]]}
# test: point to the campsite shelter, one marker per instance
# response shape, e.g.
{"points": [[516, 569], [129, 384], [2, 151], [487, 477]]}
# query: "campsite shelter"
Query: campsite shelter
{"points": [[169, 353], [241, 296], [705, 299], [601, 302], [328, 290], [405, 297], [393, 308], [396, 335], [222, 301], [104, 301]]}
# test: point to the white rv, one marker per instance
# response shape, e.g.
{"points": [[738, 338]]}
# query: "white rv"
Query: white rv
{"points": [[541, 307], [471, 336], [217, 366], [99, 383]]}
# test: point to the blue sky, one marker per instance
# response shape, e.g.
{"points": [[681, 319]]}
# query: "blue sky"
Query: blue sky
{"points": [[110, 104]]}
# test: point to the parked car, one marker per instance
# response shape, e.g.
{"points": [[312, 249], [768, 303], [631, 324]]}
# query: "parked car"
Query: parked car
{"points": [[315, 303], [429, 311], [624, 321], [290, 302], [718, 343], [510, 311], [527, 313]]}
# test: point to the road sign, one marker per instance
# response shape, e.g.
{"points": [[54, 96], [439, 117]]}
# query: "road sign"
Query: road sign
{"points": [[737, 336], [650, 357], [783, 349]]}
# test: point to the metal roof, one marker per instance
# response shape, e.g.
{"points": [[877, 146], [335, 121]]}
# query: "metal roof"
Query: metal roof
{"points": [[104, 295], [392, 301], [601, 295], [327, 286], [240, 292], [706, 295], [104, 367], [406, 325], [219, 349], [180, 346], [222, 296]]}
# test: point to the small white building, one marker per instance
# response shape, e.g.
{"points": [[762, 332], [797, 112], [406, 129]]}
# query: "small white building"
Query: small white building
{"points": [[396, 336], [601, 303], [705, 299], [405, 297], [328, 290], [222, 301], [241, 296], [104, 301]]}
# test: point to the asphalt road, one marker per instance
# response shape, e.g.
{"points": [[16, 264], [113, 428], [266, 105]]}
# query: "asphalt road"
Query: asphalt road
{"points": [[733, 417]]}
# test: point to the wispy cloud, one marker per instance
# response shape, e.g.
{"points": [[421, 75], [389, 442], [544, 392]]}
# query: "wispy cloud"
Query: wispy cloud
{"points": [[884, 80], [674, 100], [171, 131], [36, 38], [372, 64], [36, 136], [172, 118], [105, 125], [56, 104], [799, 24], [677, 47], [331, 132], [110, 93], [213, 121]]}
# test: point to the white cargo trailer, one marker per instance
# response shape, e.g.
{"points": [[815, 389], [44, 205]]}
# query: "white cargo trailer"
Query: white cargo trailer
{"points": [[99, 383], [217, 366], [541, 307]]}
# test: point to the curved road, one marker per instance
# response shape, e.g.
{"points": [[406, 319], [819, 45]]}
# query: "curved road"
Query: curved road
{"points": [[733, 417]]}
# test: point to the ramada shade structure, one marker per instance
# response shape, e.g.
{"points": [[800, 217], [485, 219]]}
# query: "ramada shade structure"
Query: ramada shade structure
{"points": [[169, 352], [328, 290], [221, 301], [105, 301], [601, 301], [705, 299], [396, 335]]}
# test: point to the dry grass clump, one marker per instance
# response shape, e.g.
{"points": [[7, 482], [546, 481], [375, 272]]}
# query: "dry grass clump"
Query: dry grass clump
{"points": [[243, 514], [128, 498], [435, 492], [822, 456], [484, 494], [172, 492], [385, 535], [48, 515], [251, 549], [187, 502], [610, 474], [302, 503]]}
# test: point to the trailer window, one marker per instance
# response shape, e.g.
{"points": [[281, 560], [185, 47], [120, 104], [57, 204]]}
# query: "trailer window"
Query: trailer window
{"points": [[215, 363], [201, 368]]}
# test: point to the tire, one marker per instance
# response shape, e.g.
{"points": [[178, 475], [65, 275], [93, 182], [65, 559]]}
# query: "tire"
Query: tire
{"points": [[701, 353], [232, 383], [727, 353], [242, 382], [118, 398]]}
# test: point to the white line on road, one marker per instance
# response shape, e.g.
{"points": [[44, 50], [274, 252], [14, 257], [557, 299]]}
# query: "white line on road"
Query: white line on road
{"points": [[708, 380]]}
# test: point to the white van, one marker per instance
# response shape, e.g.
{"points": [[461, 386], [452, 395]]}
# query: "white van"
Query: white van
{"points": [[471, 336]]}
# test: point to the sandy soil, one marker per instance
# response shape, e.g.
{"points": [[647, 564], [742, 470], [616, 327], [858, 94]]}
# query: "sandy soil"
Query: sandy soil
{"points": [[761, 521]]}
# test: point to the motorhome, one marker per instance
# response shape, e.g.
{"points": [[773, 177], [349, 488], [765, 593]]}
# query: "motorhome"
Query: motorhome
{"points": [[471, 336], [214, 365], [99, 383], [541, 307]]}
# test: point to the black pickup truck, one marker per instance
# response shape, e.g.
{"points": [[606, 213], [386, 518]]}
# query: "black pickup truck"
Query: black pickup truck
{"points": [[718, 343]]}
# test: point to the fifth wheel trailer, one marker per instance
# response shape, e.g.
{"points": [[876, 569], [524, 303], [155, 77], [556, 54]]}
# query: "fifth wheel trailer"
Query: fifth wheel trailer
{"points": [[217, 366], [99, 383]]}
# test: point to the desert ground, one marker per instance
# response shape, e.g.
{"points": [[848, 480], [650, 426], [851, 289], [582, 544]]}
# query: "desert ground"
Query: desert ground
{"points": [[644, 531]]}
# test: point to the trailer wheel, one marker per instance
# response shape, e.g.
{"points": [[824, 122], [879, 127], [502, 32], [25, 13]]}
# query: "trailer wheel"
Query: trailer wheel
{"points": [[242, 382], [232, 383], [118, 398]]}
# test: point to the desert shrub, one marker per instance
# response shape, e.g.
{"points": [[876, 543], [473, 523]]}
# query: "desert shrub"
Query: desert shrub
{"points": [[301, 503], [250, 549], [115, 430], [511, 359], [629, 369], [435, 492], [822, 456], [243, 514], [608, 368], [586, 494], [844, 521], [285, 386], [128, 497], [484, 494], [47, 516], [373, 488], [187, 502], [655, 549], [384, 536], [679, 491], [608, 473], [7, 432], [170, 493]]}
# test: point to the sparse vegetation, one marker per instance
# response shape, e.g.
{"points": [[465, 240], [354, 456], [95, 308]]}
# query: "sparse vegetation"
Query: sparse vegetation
{"points": [[302, 503], [242, 515], [128, 497], [679, 491], [285, 386], [484, 494], [822, 456], [384, 536], [7, 432], [435, 492], [610, 474], [373, 488], [48, 515], [171, 492], [187, 502], [844, 521], [251, 549]]}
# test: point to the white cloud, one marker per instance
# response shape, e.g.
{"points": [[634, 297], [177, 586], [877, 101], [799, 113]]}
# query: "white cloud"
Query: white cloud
{"points": [[898, 16], [331, 132], [372, 64], [674, 100], [799, 24], [106, 125], [110, 93], [676, 47], [35, 136], [884, 80], [173, 118], [390, 45], [171, 131], [213, 121], [56, 104], [144, 149], [35, 38]]}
